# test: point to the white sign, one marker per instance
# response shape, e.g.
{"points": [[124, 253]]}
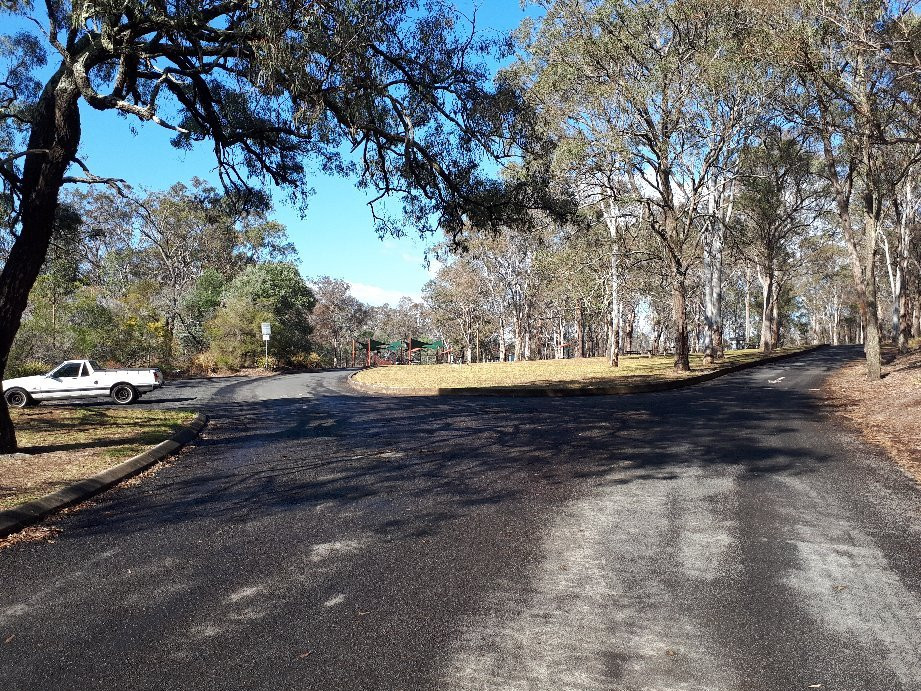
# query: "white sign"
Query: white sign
{"points": [[266, 337], [266, 331]]}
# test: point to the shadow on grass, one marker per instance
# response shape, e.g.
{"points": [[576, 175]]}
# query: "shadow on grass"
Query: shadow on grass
{"points": [[141, 439], [75, 429]]}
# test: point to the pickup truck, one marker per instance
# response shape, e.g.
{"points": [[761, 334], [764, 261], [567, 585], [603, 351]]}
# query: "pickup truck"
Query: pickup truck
{"points": [[81, 379]]}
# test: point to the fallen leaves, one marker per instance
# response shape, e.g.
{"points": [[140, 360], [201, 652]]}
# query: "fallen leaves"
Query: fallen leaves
{"points": [[877, 410], [35, 533]]}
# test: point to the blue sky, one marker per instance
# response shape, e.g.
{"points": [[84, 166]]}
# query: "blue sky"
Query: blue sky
{"points": [[335, 238]]}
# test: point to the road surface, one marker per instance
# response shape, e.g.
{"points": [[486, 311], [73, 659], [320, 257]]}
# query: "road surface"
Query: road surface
{"points": [[726, 536]]}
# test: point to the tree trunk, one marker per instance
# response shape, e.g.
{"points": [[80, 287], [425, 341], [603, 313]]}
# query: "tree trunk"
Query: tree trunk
{"points": [[903, 321], [713, 293], [614, 349], [871, 215], [904, 333], [55, 135], [871, 345], [767, 291], [580, 329], [748, 316], [519, 346], [775, 316], [616, 280], [680, 313], [561, 353], [629, 324]]}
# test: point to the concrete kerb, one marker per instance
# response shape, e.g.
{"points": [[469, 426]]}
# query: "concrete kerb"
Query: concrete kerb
{"points": [[612, 390], [17, 518]]}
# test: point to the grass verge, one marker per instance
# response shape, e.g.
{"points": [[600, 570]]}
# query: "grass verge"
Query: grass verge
{"points": [[576, 372], [59, 446], [886, 412]]}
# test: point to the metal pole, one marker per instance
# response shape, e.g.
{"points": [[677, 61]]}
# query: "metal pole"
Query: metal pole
{"points": [[266, 354]]}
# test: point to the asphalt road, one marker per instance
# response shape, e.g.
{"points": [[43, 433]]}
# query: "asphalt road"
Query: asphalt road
{"points": [[722, 537]]}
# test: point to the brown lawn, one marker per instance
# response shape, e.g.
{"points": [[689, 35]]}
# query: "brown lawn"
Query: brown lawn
{"points": [[61, 445], [573, 372]]}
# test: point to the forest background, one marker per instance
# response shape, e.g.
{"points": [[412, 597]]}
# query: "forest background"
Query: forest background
{"points": [[731, 179]]}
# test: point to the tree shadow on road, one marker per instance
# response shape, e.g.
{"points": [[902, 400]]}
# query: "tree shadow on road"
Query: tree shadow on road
{"points": [[446, 457]]}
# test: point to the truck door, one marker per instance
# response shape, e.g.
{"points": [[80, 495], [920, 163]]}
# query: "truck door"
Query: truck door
{"points": [[66, 381]]}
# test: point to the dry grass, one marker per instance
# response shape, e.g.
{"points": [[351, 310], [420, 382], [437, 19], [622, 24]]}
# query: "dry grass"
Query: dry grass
{"points": [[886, 412], [63, 445], [574, 372]]}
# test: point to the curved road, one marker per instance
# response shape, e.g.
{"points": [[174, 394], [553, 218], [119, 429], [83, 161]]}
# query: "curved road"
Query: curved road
{"points": [[722, 537]]}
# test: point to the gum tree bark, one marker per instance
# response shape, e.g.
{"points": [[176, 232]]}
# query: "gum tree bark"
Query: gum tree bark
{"points": [[53, 142]]}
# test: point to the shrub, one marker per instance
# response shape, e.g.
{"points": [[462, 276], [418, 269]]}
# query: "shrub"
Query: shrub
{"points": [[312, 360], [30, 368]]}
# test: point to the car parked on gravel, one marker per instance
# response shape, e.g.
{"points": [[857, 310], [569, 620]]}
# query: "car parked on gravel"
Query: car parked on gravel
{"points": [[81, 379]]}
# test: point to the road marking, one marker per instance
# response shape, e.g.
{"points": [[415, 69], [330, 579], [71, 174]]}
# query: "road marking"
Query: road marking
{"points": [[776, 381]]}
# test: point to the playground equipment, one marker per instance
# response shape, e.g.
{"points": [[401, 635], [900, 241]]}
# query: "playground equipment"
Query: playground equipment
{"points": [[412, 351]]}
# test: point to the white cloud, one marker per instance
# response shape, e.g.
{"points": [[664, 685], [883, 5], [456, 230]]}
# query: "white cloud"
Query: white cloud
{"points": [[375, 295]]}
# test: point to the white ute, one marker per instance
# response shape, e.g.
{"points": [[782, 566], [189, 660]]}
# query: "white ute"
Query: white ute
{"points": [[81, 379]]}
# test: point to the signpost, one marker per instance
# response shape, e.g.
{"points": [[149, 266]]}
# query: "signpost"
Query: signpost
{"points": [[266, 335]]}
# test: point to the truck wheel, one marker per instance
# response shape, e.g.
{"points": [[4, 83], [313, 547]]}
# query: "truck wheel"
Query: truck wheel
{"points": [[17, 398], [123, 394]]}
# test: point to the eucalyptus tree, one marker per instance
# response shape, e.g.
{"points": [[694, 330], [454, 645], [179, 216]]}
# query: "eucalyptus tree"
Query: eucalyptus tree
{"points": [[580, 272], [184, 230], [779, 201], [508, 262], [338, 317], [855, 64], [456, 298], [900, 241], [272, 85], [271, 292], [407, 319], [666, 89]]}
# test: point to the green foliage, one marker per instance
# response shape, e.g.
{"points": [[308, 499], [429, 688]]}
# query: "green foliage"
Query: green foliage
{"points": [[274, 293], [135, 281], [30, 368], [284, 88]]}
